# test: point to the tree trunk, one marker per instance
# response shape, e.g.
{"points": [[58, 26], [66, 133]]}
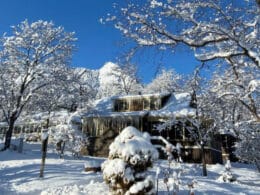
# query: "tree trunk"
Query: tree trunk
{"points": [[48, 121], [204, 166], [62, 149], [44, 153], [258, 3], [9, 133], [257, 163]]}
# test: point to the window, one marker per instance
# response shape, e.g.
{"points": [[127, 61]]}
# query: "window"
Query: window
{"points": [[121, 106], [153, 104], [146, 104], [137, 105]]}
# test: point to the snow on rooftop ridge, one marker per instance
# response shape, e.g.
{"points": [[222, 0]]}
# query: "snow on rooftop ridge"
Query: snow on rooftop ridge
{"points": [[107, 103], [142, 95], [182, 96], [101, 107], [178, 105], [185, 96]]}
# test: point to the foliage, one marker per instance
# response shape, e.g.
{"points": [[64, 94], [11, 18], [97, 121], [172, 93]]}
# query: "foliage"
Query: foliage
{"points": [[129, 157]]}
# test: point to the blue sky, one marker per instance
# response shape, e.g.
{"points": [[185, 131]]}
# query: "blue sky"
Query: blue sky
{"points": [[97, 43]]}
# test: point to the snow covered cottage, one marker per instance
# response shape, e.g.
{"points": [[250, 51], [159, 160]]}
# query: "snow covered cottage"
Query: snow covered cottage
{"points": [[111, 115]]}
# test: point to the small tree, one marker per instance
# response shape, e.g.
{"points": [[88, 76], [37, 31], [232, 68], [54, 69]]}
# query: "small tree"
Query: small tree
{"points": [[130, 155], [227, 175]]}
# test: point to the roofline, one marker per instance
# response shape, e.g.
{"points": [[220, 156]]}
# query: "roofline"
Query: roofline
{"points": [[141, 96]]}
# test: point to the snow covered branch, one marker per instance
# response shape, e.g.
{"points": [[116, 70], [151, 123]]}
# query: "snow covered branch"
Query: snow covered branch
{"points": [[32, 58], [215, 30]]}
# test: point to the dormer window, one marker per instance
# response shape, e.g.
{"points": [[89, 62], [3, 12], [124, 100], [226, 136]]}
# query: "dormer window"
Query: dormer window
{"points": [[121, 106], [139, 103]]}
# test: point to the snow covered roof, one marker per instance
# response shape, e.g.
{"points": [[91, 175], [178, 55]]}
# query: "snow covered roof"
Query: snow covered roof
{"points": [[178, 105], [104, 108], [157, 95]]}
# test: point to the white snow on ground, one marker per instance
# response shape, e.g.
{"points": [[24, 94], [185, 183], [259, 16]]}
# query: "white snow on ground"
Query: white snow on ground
{"points": [[19, 174]]}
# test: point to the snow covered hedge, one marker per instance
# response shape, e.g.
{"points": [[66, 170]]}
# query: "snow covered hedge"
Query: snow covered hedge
{"points": [[130, 155]]}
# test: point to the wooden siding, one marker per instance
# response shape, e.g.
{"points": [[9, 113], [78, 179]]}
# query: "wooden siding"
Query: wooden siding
{"points": [[139, 103], [193, 155], [228, 147]]}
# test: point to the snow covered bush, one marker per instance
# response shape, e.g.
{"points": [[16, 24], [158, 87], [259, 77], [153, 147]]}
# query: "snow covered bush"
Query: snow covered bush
{"points": [[227, 175], [130, 155], [67, 133], [172, 177]]}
